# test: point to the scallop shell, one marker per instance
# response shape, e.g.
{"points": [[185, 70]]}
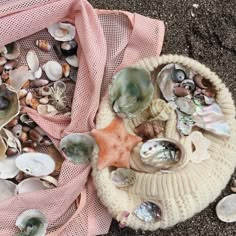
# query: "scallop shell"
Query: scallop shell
{"points": [[12, 51], [148, 211], [62, 31], [32, 222], [32, 60], [122, 177], [226, 209], [78, 148], [9, 103], [163, 153], [8, 168], [131, 91], [35, 164], [53, 70], [73, 61], [7, 189]]}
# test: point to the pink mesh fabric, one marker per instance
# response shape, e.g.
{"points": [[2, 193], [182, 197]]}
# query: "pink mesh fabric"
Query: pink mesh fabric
{"points": [[108, 40]]}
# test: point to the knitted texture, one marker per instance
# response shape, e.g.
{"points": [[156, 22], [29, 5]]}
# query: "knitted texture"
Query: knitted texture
{"points": [[187, 191], [107, 40]]}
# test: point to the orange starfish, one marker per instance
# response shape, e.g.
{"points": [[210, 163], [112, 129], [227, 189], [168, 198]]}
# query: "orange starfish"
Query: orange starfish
{"points": [[115, 144]]}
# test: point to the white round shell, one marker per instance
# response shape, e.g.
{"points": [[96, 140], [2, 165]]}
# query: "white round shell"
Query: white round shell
{"points": [[73, 61], [8, 168], [35, 164], [7, 189], [226, 209], [53, 70]]}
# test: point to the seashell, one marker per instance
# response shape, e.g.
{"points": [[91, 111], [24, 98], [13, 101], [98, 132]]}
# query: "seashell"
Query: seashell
{"points": [[34, 103], [62, 31], [122, 218], [17, 130], [148, 130], [73, 61], [24, 118], [10, 139], [8, 169], [47, 110], [7, 189], [57, 157], [19, 77], [43, 44], [226, 209], [10, 65], [178, 75], [185, 105], [148, 211], [28, 149], [200, 146], [212, 119], [3, 61], [26, 128], [58, 98], [23, 137], [29, 98], [49, 181], [32, 60], [188, 84], [44, 100], [22, 93], [38, 83], [57, 49], [59, 85], [20, 176], [3, 148], [66, 69], [32, 222], [35, 136], [9, 104], [162, 153], [46, 141], [202, 82], [122, 177], [131, 91], [11, 152], [184, 123], [181, 92], [53, 70], [3, 49], [38, 73], [78, 148], [44, 91], [12, 51], [35, 164], [69, 48]]}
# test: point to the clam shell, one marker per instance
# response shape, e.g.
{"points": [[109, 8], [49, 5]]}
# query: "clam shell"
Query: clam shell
{"points": [[131, 91], [38, 73], [43, 45], [8, 169], [32, 60], [62, 31], [226, 209], [7, 113], [122, 177], [7, 189], [53, 70], [32, 222], [163, 153], [35, 164], [12, 51], [73, 61], [148, 211], [78, 148]]}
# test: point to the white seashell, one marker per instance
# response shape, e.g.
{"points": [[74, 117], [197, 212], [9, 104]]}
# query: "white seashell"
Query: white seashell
{"points": [[28, 99], [49, 181], [35, 164], [62, 31], [22, 93], [32, 60], [61, 85], [73, 61], [7, 189], [32, 222], [44, 100], [53, 70], [8, 168], [47, 110], [38, 73], [226, 209]]}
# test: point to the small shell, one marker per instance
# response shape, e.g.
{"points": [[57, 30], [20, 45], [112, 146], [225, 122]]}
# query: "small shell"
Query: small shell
{"points": [[17, 130], [47, 110], [3, 61], [181, 92], [32, 222], [44, 100], [123, 177], [62, 31], [35, 103], [11, 152], [28, 99], [73, 61], [35, 136], [23, 137], [188, 84], [32, 60], [12, 51], [53, 70], [24, 118], [43, 44], [38, 83], [35, 164], [28, 149], [8, 169], [226, 209], [7, 189], [10, 65], [178, 75], [66, 69], [22, 93], [69, 48], [44, 91], [201, 82], [59, 85], [78, 148], [185, 105], [149, 211], [38, 73], [57, 157]]}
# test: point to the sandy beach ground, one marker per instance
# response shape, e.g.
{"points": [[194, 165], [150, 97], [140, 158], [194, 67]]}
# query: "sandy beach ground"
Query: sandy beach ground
{"points": [[206, 31]]}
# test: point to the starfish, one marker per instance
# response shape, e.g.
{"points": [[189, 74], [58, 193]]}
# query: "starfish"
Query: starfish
{"points": [[115, 144]]}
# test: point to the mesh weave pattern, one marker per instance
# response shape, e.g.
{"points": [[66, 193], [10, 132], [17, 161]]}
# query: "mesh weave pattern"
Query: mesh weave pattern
{"points": [[106, 40]]}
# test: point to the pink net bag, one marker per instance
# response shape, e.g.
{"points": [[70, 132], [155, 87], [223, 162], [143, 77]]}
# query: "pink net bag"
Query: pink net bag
{"points": [[107, 41]]}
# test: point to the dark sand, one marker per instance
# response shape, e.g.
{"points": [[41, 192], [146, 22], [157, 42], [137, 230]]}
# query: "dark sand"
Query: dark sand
{"points": [[208, 34]]}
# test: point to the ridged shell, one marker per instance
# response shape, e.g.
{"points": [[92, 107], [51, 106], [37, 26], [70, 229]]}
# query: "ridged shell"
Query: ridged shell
{"points": [[53, 70], [122, 177]]}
